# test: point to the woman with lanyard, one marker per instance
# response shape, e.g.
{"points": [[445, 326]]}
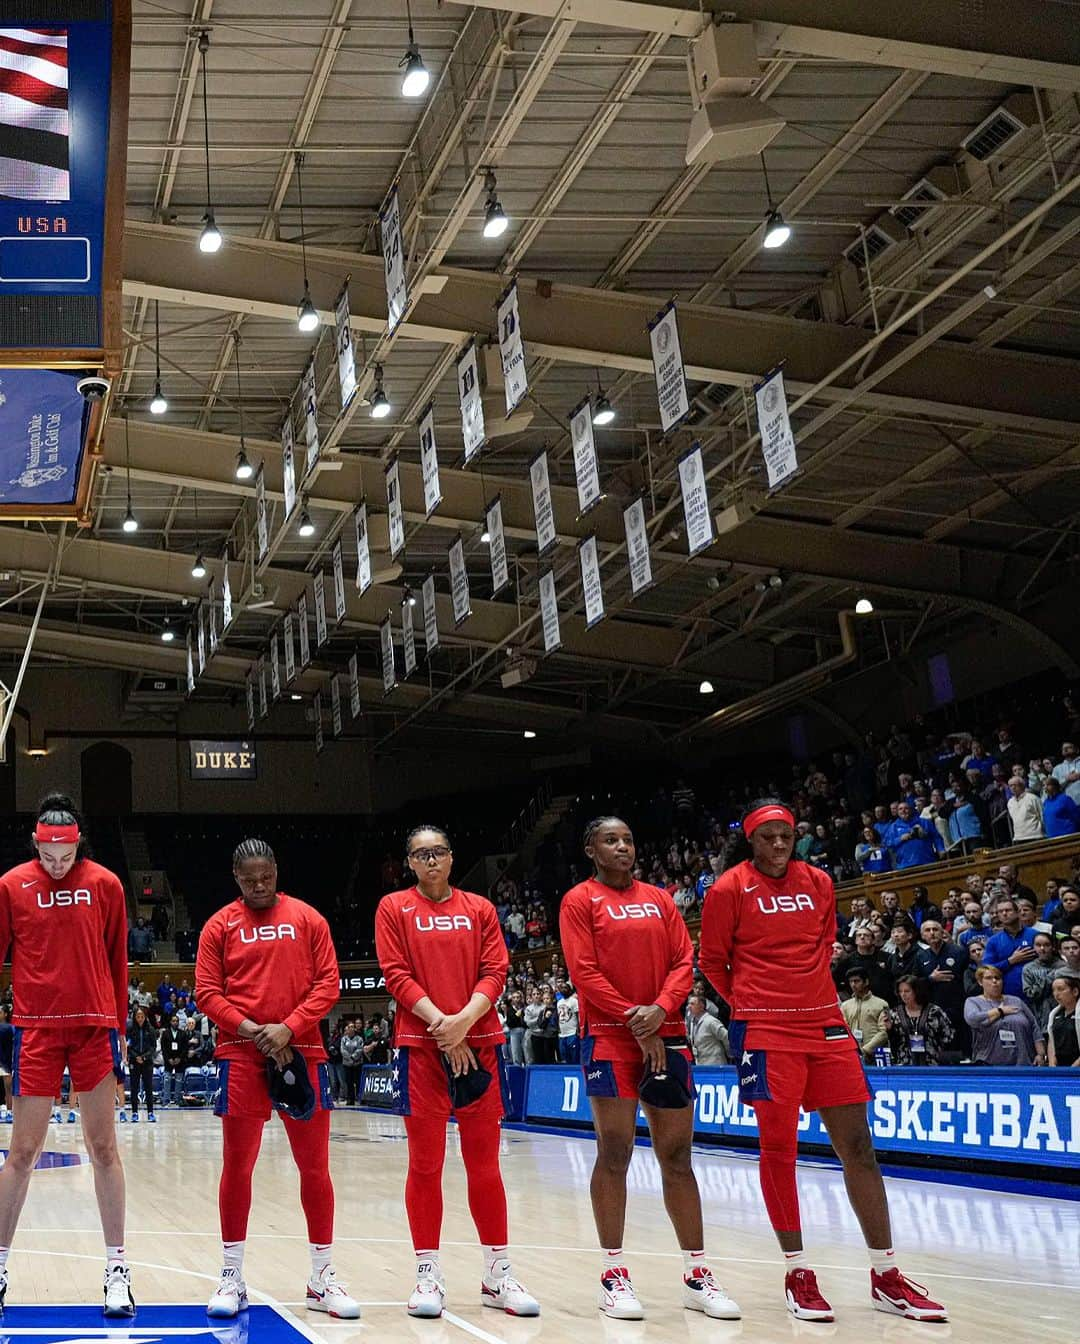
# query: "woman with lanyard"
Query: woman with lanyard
{"points": [[919, 1030], [630, 959], [1063, 1027], [142, 1045], [445, 962], [64, 920], [794, 1050], [1003, 1028]]}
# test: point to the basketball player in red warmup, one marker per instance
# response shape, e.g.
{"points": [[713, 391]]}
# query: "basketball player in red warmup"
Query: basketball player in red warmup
{"points": [[766, 939], [266, 973], [445, 962], [630, 959], [64, 919]]}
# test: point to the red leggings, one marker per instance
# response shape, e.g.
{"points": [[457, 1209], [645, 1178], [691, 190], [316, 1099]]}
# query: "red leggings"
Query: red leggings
{"points": [[423, 1186], [310, 1144], [778, 1137]]}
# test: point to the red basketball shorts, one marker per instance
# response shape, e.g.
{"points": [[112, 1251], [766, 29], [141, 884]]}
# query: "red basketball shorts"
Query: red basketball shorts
{"points": [[40, 1055], [611, 1069], [421, 1088], [243, 1088], [812, 1067]]}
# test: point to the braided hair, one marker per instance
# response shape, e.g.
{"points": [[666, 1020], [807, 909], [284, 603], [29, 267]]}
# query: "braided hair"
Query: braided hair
{"points": [[252, 849], [416, 830], [57, 809], [593, 826]]}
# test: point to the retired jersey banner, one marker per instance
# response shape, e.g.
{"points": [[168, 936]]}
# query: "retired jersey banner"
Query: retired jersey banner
{"points": [[354, 686], [511, 348], [288, 464], [211, 616], [543, 511], [774, 426], [431, 619], [200, 639], [408, 636], [262, 530], [346, 357], [275, 667], [339, 583], [695, 498], [637, 546], [429, 461], [668, 369], [386, 645], [472, 410], [459, 581], [303, 631], [190, 665], [549, 612], [226, 594], [318, 723], [591, 589], [320, 609], [335, 705], [249, 691], [287, 640], [500, 573], [586, 469], [363, 549], [264, 701], [311, 416], [393, 505], [393, 261]]}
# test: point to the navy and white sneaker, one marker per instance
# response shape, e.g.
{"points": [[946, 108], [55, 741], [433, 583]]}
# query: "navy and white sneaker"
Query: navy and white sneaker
{"points": [[701, 1292], [229, 1297], [119, 1301]]}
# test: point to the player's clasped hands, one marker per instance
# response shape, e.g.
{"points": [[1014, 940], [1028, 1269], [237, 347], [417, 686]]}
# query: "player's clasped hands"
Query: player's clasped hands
{"points": [[645, 1019], [461, 1058]]}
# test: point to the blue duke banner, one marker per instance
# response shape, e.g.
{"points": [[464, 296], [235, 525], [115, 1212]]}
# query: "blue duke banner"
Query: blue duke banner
{"points": [[40, 453]]}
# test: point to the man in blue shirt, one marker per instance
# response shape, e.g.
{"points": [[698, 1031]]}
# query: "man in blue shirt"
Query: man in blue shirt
{"points": [[980, 760], [1061, 816], [1011, 948], [911, 842]]}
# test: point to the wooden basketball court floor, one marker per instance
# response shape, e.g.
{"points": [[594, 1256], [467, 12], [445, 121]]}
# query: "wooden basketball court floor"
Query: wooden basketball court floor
{"points": [[1005, 1265]]}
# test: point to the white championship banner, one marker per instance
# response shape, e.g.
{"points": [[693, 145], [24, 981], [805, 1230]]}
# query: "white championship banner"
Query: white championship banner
{"points": [[393, 508], [510, 347], [586, 468], [264, 703], [363, 549], [288, 639], [386, 644], [320, 609], [668, 369], [191, 674], [226, 593], [774, 426], [429, 461], [311, 416], [302, 630], [549, 612], [211, 613], [408, 637], [318, 723], [339, 582], [346, 356], [288, 464], [262, 533], [472, 410], [393, 261], [354, 685], [695, 497], [200, 640], [431, 616], [637, 546], [543, 511], [459, 581], [275, 667], [591, 589], [335, 706], [500, 573]]}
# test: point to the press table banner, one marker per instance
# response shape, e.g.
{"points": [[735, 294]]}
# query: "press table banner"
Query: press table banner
{"points": [[511, 349], [222, 760], [377, 1086], [1014, 1115], [774, 425], [668, 370], [346, 357], [472, 410], [429, 461]]}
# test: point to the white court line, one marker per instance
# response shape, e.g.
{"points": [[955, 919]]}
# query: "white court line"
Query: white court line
{"points": [[471, 1329]]}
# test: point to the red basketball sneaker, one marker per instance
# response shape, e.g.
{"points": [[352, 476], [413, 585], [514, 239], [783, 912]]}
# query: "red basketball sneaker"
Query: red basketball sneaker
{"points": [[893, 1293], [804, 1299]]}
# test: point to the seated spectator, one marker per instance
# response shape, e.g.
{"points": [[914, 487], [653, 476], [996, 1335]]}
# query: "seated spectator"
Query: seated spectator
{"points": [[1068, 913], [910, 842], [870, 855], [1063, 1026], [919, 1031], [867, 1016], [1038, 977], [1060, 811], [706, 1034], [1003, 1028], [1025, 812], [872, 962], [1011, 947]]}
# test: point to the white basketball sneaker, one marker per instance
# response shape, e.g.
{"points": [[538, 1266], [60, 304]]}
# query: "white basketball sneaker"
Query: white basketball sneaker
{"points": [[701, 1292], [506, 1294], [326, 1294], [229, 1297], [119, 1301], [429, 1296], [617, 1297]]}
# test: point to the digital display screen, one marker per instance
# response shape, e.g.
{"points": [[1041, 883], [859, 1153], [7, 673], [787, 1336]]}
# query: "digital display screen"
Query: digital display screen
{"points": [[35, 125]]}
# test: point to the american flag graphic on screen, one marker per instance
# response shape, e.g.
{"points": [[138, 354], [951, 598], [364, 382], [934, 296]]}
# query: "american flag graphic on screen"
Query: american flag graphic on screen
{"points": [[34, 127]]}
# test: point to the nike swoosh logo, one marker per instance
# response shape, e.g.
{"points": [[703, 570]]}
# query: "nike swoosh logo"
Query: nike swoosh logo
{"points": [[406, 908], [594, 899], [28, 884], [233, 923], [753, 888]]}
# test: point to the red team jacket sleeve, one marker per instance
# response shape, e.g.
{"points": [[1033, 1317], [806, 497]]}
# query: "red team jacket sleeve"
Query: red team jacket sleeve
{"points": [[5, 921], [494, 958], [575, 931], [394, 961], [717, 936], [680, 978], [325, 985], [210, 979], [116, 932]]}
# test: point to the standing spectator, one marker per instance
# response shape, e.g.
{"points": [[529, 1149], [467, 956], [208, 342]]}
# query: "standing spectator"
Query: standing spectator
{"points": [[1067, 771], [870, 855], [1038, 977], [1068, 915], [1063, 1028], [546, 1033], [919, 1032], [532, 1014], [975, 950], [1070, 953], [872, 962], [975, 922], [1003, 1027], [514, 1008], [1025, 812], [922, 907], [334, 1067], [946, 965], [707, 1035], [1010, 875], [908, 958], [867, 1017], [910, 841], [7, 1047], [1011, 947], [352, 1056], [1061, 815], [515, 927], [142, 1047], [567, 1009], [173, 1044]]}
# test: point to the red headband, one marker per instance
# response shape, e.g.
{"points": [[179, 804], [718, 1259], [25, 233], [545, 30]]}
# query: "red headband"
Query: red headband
{"points": [[56, 835], [770, 812]]}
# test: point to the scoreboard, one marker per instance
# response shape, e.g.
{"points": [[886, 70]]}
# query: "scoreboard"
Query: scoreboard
{"points": [[64, 78]]}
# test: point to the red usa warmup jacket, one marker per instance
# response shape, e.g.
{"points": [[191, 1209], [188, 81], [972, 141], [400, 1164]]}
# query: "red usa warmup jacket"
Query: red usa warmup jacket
{"points": [[442, 950], [275, 965], [68, 943], [623, 948]]}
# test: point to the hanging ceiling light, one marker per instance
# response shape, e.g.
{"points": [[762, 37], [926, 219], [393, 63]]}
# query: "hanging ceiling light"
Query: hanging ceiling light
{"points": [[706, 687], [210, 238], [158, 406], [306, 527], [168, 634], [410, 597], [416, 76], [485, 537], [244, 470], [528, 734], [495, 220], [198, 569], [864, 606], [603, 412], [130, 523], [307, 315], [379, 403], [776, 231]]}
